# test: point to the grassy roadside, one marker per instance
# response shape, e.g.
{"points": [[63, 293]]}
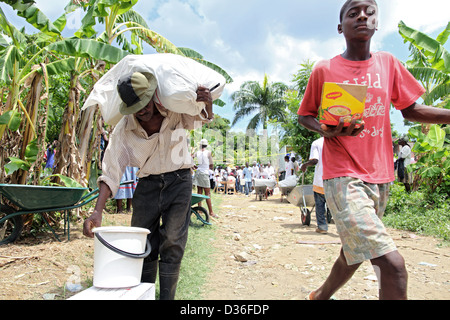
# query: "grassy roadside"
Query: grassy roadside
{"points": [[198, 261], [412, 212]]}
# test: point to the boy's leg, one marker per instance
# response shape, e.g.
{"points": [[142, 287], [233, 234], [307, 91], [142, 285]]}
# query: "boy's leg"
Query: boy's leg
{"points": [[392, 276], [357, 208], [339, 275]]}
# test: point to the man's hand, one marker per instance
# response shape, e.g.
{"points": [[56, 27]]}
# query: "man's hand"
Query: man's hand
{"points": [[340, 130], [94, 221], [204, 95]]}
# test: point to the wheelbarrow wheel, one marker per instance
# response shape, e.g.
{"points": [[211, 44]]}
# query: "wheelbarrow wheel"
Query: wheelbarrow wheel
{"points": [[199, 216], [10, 229], [306, 216]]}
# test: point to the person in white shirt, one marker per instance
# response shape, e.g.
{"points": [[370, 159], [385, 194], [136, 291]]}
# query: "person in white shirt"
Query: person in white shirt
{"points": [[270, 171], [202, 175], [315, 159], [239, 178], [255, 170], [404, 160], [288, 167]]}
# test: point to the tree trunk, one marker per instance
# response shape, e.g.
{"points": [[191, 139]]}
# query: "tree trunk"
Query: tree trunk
{"points": [[29, 132], [67, 157]]}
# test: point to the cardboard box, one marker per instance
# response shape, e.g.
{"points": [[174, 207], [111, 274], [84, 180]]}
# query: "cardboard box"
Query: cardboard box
{"points": [[143, 291], [342, 101]]}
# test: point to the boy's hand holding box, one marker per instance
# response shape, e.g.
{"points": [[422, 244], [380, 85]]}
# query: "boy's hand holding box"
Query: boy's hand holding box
{"points": [[342, 101]]}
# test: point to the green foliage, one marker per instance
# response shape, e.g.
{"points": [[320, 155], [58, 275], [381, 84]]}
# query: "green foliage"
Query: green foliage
{"points": [[430, 63], [15, 164], [432, 170], [12, 119], [295, 135], [412, 212]]}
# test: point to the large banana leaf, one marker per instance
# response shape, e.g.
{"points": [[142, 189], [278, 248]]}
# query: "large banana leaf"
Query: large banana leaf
{"points": [[26, 9], [88, 48], [11, 31], [433, 49], [100, 9], [7, 63], [60, 66], [121, 6], [443, 36]]}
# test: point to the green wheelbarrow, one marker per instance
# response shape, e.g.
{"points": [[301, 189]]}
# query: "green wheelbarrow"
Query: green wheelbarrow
{"points": [[39, 199], [199, 215]]}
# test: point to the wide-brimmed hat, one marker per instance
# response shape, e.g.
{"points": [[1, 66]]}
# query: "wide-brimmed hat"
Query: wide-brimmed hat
{"points": [[136, 90], [204, 142]]}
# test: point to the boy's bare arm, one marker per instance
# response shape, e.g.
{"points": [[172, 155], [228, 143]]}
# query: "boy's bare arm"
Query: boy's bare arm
{"points": [[426, 114]]}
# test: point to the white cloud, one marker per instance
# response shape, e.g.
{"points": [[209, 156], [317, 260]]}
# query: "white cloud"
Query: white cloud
{"points": [[427, 16], [288, 52]]}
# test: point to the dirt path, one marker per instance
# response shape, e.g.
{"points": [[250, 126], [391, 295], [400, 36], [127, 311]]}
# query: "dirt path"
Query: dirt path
{"points": [[282, 259]]}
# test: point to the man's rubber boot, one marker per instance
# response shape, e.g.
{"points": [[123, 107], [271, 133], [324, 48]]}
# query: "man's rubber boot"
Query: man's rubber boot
{"points": [[168, 279], [149, 271]]}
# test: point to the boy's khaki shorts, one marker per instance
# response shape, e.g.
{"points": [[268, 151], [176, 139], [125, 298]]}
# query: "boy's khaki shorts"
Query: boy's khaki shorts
{"points": [[357, 208]]}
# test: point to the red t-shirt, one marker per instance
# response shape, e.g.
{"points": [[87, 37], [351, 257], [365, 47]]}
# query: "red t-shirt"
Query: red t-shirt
{"points": [[368, 156]]}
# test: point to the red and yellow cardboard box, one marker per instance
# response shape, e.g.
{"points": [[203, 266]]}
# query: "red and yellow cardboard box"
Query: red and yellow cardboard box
{"points": [[342, 101]]}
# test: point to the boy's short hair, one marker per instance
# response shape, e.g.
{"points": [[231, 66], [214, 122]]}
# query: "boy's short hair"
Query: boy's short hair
{"points": [[344, 7]]}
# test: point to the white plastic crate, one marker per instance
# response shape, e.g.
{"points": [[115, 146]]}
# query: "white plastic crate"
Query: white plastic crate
{"points": [[143, 291]]}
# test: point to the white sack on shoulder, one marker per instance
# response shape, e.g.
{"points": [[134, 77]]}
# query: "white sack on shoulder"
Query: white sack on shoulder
{"points": [[178, 79]]}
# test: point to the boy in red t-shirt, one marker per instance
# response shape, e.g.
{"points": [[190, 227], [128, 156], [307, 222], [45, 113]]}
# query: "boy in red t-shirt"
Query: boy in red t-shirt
{"points": [[358, 162]]}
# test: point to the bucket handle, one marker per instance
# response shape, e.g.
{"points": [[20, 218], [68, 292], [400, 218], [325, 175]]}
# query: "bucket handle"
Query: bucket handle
{"points": [[124, 253]]}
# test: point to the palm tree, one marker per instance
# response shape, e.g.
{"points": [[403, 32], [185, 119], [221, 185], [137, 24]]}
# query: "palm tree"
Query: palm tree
{"points": [[263, 102], [293, 134]]}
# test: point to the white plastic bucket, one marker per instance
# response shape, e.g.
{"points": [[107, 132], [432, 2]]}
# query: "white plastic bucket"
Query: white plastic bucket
{"points": [[119, 254]]}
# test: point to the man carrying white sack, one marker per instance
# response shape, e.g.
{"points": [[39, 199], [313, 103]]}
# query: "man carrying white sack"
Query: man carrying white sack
{"points": [[153, 139]]}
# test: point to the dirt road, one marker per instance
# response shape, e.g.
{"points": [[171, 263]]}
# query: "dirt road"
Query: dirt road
{"points": [[264, 252]]}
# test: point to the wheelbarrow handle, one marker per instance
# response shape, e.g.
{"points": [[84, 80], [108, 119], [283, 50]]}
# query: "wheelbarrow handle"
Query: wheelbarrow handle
{"points": [[303, 191]]}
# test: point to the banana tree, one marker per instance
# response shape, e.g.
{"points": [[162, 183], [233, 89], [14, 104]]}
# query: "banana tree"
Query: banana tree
{"points": [[19, 54], [433, 167], [121, 23], [77, 147], [430, 62]]}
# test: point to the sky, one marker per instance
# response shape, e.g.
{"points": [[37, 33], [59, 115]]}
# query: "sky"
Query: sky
{"points": [[250, 38]]}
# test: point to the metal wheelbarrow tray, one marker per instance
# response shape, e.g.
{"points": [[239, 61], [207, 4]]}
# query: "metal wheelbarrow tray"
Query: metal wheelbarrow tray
{"points": [[303, 197], [285, 191], [261, 186], [39, 199]]}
